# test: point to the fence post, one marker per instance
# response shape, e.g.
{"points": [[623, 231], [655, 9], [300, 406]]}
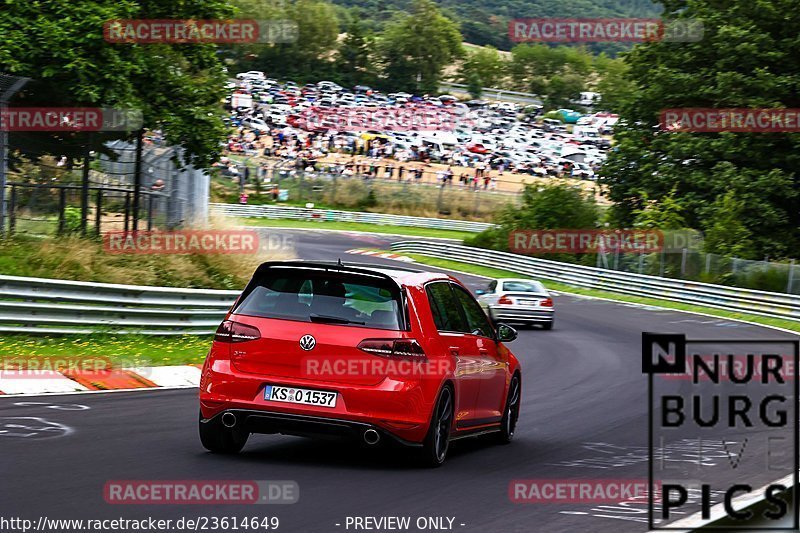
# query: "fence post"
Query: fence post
{"points": [[85, 188], [149, 212], [137, 180], [708, 263], [127, 209], [98, 210], [735, 265], [684, 253], [641, 262], [12, 208], [661, 267], [788, 284], [62, 205]]}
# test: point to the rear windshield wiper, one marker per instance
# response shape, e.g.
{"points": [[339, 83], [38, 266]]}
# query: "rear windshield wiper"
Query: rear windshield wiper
{"points": [[326, 319]]}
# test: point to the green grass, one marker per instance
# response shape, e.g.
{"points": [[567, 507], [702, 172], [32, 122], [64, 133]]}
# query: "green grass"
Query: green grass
{"points": [[121, 350], [561, 287], [411, 231]]}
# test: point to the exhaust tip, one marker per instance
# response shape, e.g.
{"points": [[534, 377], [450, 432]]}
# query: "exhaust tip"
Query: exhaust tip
{"points": [[228, 419], [372, 437]]}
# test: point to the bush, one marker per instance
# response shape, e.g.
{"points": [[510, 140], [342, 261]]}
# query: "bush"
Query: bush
{"points": [[557, 206]]}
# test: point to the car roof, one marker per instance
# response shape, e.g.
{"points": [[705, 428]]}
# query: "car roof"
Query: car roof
{"points": [[402, 275], [521, 280]]}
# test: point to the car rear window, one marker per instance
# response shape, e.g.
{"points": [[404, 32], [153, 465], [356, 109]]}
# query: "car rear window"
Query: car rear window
{"points": [[324, 297]]}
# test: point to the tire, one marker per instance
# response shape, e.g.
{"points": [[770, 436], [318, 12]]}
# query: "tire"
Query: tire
{"points": [[216, 438], [508, 425], [437, 441], [548, 325]]}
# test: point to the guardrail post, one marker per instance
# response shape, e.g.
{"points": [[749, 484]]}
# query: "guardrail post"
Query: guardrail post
{"points": [[788, 284]]}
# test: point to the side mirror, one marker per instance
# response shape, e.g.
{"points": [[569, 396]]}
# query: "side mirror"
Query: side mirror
{"points": [[480, 292], [506, 333]]}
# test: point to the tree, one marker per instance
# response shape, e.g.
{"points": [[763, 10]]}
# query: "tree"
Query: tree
{"points": [[725, 233], [613, 84], [665, 215], [558, 73], [416, 46], [308, 58], [474, 85], [561, 90], [746, 58], [486, 64], [558, 206], [60, 46], [354, 62]]}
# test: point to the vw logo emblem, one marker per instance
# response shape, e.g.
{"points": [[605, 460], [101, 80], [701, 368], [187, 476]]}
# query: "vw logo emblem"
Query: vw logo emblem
{"points": [[307, 342]]}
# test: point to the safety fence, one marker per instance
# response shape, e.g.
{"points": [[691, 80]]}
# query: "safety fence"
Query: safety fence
{"points": [[688, 292], [330, 215]]}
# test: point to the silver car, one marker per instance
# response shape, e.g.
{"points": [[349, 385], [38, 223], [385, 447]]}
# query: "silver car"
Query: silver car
{"points": [[519, 301]]}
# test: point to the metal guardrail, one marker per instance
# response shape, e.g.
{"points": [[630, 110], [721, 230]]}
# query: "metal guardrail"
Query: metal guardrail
{"points": [[330, 215], [689, 292], [493, 93], [43, 306]]}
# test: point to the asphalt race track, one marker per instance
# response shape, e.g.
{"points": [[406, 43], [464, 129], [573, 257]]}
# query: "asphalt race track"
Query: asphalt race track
{"points": [[584, 414]]}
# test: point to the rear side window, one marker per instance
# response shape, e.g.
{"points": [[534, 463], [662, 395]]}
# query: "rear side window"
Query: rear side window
{"points": [[324, 297], [477, 322], [445, 308]]}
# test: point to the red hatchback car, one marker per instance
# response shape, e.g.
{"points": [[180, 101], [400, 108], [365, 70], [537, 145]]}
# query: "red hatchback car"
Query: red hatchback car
{"points": [[375, 354]]}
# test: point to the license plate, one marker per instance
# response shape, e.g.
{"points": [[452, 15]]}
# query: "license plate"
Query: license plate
{"points": [[529, 302], [302, 396]]}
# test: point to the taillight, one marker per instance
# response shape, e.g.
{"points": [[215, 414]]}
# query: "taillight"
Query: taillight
{"points": [[393, 348], [230, 331], [505, 300], [547, 302]]}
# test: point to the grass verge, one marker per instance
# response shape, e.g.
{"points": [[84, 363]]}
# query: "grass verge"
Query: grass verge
{"points": [[561, 287], [120, 350], [74, 258], [411, 231]]}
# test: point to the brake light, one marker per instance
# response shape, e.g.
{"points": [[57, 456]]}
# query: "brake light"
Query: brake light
{"points": [[505, 300], [394, 348], [547, 302], [230, 331]]}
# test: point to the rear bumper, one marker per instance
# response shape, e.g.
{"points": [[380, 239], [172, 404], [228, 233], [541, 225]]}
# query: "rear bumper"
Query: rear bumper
{"points": [[402, 409], [268, 422], [518, 313]]}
